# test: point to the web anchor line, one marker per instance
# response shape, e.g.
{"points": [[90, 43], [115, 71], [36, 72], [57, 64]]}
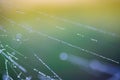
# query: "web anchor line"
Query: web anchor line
{"points": [[47, 66]]}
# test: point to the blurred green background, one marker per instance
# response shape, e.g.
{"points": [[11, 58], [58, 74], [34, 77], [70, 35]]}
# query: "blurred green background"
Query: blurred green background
{"points": [[49, 19]]}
